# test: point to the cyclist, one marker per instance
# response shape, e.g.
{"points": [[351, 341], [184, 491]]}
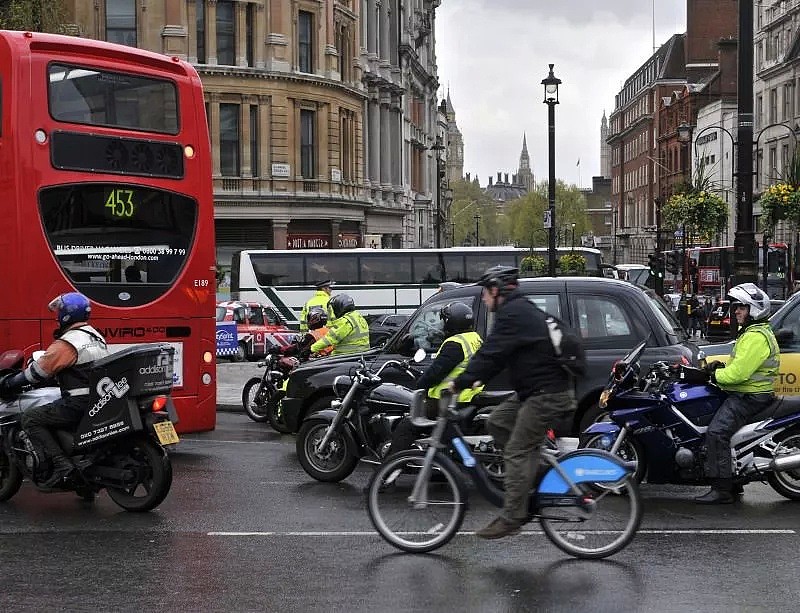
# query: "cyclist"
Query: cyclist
{"points": [[519, 341]]}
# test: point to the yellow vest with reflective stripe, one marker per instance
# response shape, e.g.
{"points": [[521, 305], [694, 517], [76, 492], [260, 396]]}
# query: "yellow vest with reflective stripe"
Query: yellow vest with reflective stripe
{"points": [[347, 334], [763, 379], [320, 299], [470, 342]]}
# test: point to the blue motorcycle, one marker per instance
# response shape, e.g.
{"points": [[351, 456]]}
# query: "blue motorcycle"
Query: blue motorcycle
{"points": [[658, 421]]}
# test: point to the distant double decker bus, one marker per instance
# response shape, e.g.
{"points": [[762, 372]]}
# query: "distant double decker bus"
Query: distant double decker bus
{"points": [[105, 189]]}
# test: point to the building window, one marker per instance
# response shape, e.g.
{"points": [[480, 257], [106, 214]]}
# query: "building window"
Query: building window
{"points": [[250, 20], [344, 44], [773, 105], [226, 34], [307, 136], [305, 46], [229, 139], [200, 7], [348, 139], [121, 22], [254, 130]]}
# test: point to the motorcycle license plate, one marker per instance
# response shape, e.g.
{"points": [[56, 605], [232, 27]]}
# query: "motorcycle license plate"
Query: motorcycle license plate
{"points": [[165, 432]]}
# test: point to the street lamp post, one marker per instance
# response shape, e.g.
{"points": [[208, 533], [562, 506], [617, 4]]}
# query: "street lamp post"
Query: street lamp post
{"points": [[551, 84], [452, 234], [477, 219], [573, 236], [438, 148], [685, 137]]}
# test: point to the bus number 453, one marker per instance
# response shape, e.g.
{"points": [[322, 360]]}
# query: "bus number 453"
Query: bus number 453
{"points": [[120, 201]]}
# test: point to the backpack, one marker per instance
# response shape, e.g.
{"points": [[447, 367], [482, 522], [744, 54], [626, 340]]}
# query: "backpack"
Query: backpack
{"points": [[567, 346]]}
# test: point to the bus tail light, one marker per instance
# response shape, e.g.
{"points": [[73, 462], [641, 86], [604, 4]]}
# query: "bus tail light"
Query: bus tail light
{"points": [[207, 357], [206, 379], [188, 151], [40, 136], [159, 403]]}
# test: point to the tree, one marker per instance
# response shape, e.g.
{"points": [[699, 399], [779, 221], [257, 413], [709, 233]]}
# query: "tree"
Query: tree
{"points": [[33, 15], [525, 216], [469, 199]]}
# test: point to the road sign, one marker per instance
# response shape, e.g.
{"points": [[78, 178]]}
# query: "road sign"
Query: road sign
{"points": [[548, 221]]}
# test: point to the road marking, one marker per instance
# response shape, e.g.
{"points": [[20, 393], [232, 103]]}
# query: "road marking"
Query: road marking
{"points": [[335, 533], [213, 440]]}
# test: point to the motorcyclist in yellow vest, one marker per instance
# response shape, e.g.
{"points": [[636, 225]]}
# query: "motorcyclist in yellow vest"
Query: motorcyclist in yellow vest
{"points": [[749, 377], [450, 361], [348, 332], [321, 298]]}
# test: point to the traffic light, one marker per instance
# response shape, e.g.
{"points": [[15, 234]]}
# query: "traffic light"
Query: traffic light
{"points": [[672, 262], [656, 265]]}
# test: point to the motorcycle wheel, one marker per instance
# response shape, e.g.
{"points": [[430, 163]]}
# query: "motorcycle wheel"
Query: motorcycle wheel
{"points": [[335, 464], [275, 414], [630, 451], [787, 482], [10, 477], [257, 411], [150, 461]]}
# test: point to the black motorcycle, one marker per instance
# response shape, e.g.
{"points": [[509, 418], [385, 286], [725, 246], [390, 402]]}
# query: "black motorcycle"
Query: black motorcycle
{"points": [[261, 396], [118, 444], [359, 423]]}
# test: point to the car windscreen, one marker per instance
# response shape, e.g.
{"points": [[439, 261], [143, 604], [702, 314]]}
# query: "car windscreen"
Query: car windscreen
{"points": [[665, 317]]}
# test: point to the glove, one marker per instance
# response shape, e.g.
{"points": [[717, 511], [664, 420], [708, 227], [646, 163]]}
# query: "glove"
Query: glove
{"points": [[12, 384], [712, 366]]}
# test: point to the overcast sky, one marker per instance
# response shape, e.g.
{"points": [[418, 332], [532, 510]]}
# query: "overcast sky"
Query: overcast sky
{"points": [[493, 54]]}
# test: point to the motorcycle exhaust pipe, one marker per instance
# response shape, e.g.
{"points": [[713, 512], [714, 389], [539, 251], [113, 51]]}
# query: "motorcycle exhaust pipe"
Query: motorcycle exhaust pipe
{"points": [[786, 462]]}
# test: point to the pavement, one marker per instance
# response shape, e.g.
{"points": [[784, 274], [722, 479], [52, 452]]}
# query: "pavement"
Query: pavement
{"points": [[231, 378]]}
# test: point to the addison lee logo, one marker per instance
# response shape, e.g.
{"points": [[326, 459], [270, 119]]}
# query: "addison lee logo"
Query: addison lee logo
{"points": [[108, 389]]}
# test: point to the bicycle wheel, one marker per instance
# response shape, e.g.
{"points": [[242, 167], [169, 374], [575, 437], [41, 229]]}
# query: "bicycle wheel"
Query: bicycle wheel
{"points": [[399, 521], [605, 521]]}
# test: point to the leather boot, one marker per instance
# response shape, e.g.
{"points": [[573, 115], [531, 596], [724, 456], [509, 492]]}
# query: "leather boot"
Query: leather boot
{"points": [[62, 468], [720, 493]]}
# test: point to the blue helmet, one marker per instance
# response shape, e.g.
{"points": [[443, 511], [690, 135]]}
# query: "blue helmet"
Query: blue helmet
{"points": [[70, 308]]}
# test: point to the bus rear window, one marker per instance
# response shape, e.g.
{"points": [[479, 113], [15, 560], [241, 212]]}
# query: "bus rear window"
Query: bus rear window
{"points": [[114, 99], [119, 244]]}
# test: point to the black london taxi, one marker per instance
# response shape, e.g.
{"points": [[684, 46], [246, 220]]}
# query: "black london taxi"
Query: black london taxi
{"points": [[610, 315]]}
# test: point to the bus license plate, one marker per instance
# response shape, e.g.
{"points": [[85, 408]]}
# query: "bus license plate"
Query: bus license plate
{"points": [[165, 432]]}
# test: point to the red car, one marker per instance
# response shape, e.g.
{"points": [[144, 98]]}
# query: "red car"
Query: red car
{"points": [[257, 328]]}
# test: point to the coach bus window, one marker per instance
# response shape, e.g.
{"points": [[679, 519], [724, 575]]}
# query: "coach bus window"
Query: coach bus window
{"points": [[387, 269], [341, 268], [277, 269], [476, 264], [116, 99], [99, 231]]}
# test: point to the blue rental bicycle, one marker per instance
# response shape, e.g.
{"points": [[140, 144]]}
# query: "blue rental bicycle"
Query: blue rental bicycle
{"points": [[586, 501]]}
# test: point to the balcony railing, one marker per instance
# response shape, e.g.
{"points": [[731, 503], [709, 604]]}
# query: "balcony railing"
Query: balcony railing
{"points": [[256, 186]]}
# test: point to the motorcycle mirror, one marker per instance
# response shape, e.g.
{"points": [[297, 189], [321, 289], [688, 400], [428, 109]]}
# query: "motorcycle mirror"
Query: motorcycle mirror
{"points": [[701, 355], [419, 355]]}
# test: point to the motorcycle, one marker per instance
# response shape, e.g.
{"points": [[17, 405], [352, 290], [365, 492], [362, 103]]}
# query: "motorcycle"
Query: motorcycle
{"points": [[118, 444], [659, 421], [261, 396], [359, 423]]}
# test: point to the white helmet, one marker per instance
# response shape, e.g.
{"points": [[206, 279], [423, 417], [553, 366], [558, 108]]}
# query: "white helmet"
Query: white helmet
{"points": [[751, 295]]}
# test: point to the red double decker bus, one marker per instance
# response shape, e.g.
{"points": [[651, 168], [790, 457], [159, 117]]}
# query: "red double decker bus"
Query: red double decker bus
{"points": [[105, 188]]}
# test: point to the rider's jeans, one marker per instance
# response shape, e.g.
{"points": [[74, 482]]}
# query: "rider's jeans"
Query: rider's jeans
{"points": [[520, 428], [734, 413], [63, 413]]}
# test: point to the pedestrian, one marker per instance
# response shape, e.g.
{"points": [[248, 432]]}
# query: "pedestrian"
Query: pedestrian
{"points": [[749, 378], [348, 332], [520, 343], [320, 298]]}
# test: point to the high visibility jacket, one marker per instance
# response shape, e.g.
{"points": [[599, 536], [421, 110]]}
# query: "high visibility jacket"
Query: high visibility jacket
{"points": [[320, 299], [755, 360], [470, 342], [347, 334], [318, 334]]}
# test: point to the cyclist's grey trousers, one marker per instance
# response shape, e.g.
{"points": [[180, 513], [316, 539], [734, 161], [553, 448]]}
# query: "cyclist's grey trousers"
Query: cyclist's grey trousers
{"points": [[520, 428]]}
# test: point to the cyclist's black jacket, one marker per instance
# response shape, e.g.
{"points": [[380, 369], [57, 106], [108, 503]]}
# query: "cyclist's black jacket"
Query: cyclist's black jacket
{"points": [[519, 340]]}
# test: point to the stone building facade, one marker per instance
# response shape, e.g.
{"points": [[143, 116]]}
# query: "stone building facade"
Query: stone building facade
{"points": [[321, 113]]}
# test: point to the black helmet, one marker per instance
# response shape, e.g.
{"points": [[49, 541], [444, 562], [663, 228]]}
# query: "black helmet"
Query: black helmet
{"points": [[501, 277], [317, 317], [457, 317], [341, 304]]}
